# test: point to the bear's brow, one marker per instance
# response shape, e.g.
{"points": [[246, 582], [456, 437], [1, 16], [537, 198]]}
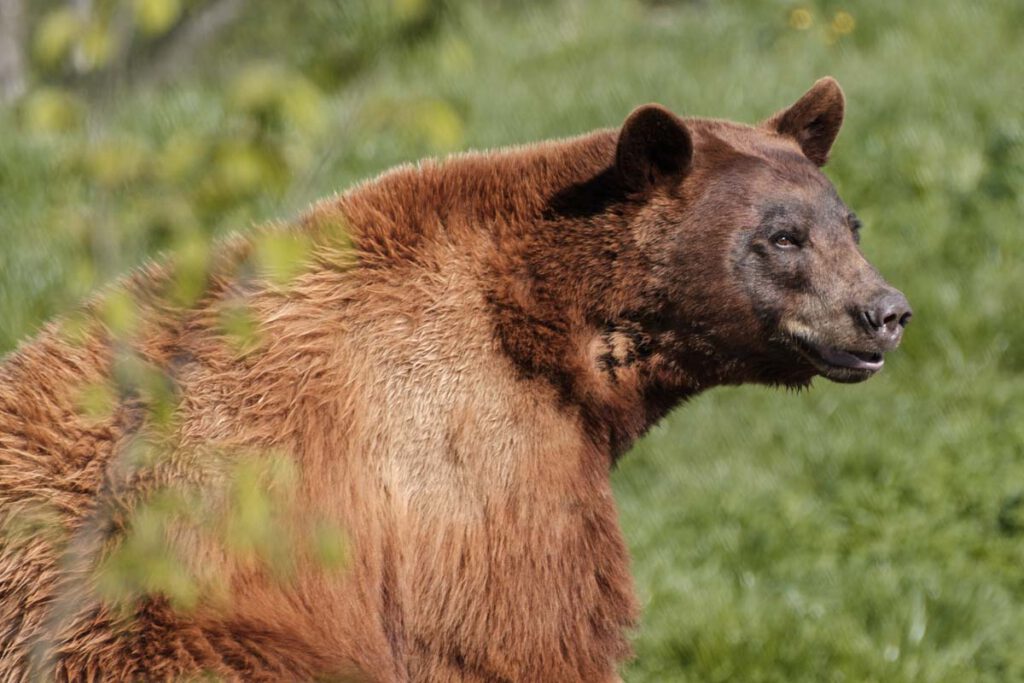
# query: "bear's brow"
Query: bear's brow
{"points": [[786, 156], [778, 212]]}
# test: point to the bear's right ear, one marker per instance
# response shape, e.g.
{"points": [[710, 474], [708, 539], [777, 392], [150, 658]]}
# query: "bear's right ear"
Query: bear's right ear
{"points": [[814, 120], [654, 147]]}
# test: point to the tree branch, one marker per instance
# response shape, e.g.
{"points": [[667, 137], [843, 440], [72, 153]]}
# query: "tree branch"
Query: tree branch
{"points": [[12, 57], [179, 47]]}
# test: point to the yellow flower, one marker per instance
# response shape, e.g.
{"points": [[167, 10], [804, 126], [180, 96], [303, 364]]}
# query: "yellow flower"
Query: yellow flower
{"points": [[800, 19], [843, 23]]}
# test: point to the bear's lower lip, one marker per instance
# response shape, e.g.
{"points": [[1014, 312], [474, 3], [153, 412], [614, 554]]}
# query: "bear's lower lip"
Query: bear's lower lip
{"points": [[868, 362], [854, 360]]}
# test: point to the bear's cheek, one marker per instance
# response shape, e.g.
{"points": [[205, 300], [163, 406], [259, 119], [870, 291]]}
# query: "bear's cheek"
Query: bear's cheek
{"points": [[778, 288]]}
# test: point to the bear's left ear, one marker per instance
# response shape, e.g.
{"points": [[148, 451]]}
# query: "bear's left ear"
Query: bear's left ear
{"points": [[654, 147], [814, 120]]}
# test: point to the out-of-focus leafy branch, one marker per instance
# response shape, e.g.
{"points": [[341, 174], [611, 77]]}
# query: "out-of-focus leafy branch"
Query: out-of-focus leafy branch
{"points": [[92, 40], [173, 193], [125, 192]]}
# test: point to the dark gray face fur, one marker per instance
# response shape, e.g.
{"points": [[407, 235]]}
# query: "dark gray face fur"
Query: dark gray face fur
{"points": [[812, 287], [754, 250]]}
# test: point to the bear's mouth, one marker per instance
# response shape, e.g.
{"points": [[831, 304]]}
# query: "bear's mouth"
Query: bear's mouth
{"points": [[840, 365]]}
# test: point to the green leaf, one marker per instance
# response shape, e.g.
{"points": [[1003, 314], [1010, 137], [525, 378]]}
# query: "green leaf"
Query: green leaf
{"points": [[56, 35], [240, 327], [50, 110], [119, 312], [96, 401], [155, 17], [282, 255]]}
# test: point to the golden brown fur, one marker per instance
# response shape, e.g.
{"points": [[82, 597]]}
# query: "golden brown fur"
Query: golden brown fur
{"points": [[413, 432], [455, 402]]}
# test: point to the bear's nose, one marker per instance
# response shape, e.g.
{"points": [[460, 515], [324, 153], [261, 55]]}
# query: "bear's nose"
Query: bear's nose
{"points": [[887, 316]]}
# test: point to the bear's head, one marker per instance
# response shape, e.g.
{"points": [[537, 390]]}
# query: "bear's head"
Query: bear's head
{"points": [[755, 254]]}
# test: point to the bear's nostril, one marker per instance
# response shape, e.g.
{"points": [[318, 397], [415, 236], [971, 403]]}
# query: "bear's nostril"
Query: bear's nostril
{"points": [[868, 319], [891, 313], [887, 315]]}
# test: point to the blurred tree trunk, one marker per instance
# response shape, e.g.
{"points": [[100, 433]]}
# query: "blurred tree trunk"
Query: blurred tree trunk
{"points": [[82, 8], [12, 56], [176, 50]]}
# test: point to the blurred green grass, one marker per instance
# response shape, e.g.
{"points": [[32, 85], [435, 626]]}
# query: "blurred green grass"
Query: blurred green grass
{"points": [[864, 533]]}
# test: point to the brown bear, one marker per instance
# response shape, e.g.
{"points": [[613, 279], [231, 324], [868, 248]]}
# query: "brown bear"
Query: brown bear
{"points": [[454, 386]]}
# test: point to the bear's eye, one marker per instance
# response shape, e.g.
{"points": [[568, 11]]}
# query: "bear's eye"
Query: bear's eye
{"points": [[855, 226], [785, 240]]}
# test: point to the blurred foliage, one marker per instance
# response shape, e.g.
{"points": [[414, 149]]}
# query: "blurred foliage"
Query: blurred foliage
{"points": [[248, 516], [145, 561], [281, 256], [867, 533], [167, 504]]}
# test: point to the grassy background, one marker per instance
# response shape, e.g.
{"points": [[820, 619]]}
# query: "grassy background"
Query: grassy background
{"points": [[865, 533]]}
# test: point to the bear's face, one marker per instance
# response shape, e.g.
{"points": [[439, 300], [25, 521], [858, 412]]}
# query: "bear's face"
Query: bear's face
{"points": [[803, 275], [760, 257]]}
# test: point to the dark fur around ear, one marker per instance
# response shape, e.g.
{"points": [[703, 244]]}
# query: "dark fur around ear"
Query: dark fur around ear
{"points": [[814, 120], [654, 147]]}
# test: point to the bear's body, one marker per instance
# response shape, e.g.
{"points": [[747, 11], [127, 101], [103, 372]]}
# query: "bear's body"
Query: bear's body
{"points": [[454, 401]]}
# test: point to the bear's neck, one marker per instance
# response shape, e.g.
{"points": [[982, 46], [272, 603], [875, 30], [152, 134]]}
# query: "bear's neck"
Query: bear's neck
{"points": [[545, 231]]}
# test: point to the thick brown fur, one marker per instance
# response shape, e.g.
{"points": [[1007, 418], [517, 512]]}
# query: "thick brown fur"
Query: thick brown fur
{"points": [[512, 322]]}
